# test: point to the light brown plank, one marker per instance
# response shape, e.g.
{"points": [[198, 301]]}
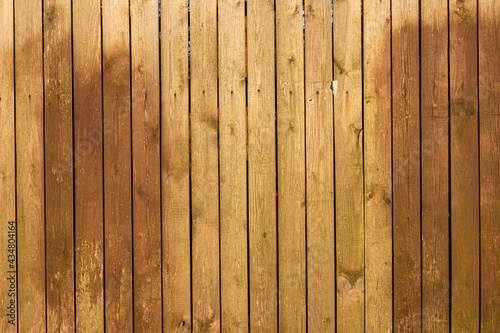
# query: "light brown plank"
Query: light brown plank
{"points": [[406, 165], [489, 130], [175, 167], [291, 166], [7, 162], [320, 167], [30, 162], [204, 167], [146, 165], [117, 166], [377, 161], [59, 165], [435, 176], [465, 288], [89, 264], [349, 165], [262, 167], [232, 161]]}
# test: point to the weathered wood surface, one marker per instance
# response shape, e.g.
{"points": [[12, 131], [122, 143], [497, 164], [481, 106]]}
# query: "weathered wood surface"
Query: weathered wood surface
{"points": [[406, 166], [320, 167], [434, 149], [175, 167], [349, 176], [291, 166], [58, 87], [204, 167], [377, 165], [30, 180], [241, 166], [262, 213], [489, 139], [146, 183], [88, 166], [7, 152], [464, 167]]}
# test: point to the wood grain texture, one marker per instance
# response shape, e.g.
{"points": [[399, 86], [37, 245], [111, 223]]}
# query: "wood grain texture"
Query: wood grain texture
{"points": [[233, 168], [465, 285], [349, 212], [175, 167], [204, 169], [118, 277], [489, 130], [144, 171], [30, 165], [262, 167], [146, 183], [59, 165], [406, 166], [319, 167], [291, 166], [7, 151], [435, 175], [377, 165], [88, 168]]}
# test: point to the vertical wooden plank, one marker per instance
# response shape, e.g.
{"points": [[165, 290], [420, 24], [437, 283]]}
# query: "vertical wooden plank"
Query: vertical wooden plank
{"points": [[146, 165], [291, 166], [378, 165], [489, 121], [30, 165], [89, 265], [320, 167], [117, 166], [58, 165], [406, 165], [232, 159], [465, 289], [204, 167], [175, 167], [435, 176], [349, 165], [7, 159], [262, 166]]}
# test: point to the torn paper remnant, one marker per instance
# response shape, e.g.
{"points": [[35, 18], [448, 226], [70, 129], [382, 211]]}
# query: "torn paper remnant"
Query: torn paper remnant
{"points": [[334, 87]]}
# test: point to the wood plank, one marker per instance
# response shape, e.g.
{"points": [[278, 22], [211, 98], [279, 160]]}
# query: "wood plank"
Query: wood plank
{"points": [[233, 168], [378, 165], [59, 165], [435, 175], [175, 163], [7, 159], [489, 130], [349, 165], [146, 165], [89, 264], [204, 167], [319, 167], [262, 167], [291, 166], [406, 165], [465, 285], [30, 165], [117, 166]]}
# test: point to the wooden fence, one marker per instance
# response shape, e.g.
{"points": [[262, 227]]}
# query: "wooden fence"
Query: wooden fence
{"points": [[259, 165]]}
